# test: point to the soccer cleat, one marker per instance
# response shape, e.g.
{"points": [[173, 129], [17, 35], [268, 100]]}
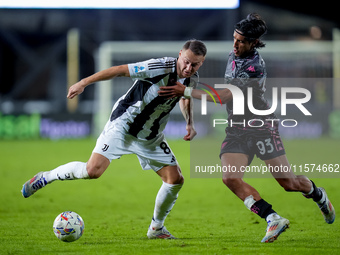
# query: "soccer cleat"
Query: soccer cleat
{"points": [[326, 208], [161, 233], [274, 229], [33, 185]]}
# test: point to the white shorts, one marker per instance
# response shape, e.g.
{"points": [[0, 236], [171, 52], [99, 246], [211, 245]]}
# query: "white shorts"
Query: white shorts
{"points": [[152, 154]]}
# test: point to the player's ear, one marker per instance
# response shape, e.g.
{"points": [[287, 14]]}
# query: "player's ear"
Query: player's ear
{"points": [[255, 43], [180, 53], [202, 61]]}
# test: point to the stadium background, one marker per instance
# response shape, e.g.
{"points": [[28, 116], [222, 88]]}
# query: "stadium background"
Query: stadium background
{"points": [[42, 50], [40, 130]]}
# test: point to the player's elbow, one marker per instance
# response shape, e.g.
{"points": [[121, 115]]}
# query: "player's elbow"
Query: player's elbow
{"points": [[225, 96]]}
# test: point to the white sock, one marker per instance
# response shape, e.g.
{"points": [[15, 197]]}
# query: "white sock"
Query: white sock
{"points": [[310, 192], [272, 216], [69, 171], [165, 200], [249, 201]]}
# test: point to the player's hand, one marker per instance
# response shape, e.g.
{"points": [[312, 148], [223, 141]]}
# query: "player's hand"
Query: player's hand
{"points": [[191, 133], [75, 90], [176, 90]]}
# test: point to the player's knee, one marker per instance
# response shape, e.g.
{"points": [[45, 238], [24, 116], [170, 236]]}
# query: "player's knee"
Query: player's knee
{"points": [[176, 179], [94, 171], [171, 175], [229, 182], [180, 180], [96, 165], [289, 184]]}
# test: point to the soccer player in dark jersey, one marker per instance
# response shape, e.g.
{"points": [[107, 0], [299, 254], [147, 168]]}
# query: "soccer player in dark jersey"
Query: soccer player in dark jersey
{"points": [[135, 127], [244, 140]]}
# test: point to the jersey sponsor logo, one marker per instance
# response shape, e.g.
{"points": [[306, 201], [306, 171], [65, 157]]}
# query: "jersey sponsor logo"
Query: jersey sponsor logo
{"points": [[160, 105], [167, 106]]}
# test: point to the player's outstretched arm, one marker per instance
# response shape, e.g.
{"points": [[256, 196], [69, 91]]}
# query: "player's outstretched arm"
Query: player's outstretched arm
{"points": [[107, 74], [179, 90]]}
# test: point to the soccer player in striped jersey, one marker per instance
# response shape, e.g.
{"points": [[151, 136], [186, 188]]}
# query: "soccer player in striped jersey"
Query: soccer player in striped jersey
{"points": [[135, 127]]}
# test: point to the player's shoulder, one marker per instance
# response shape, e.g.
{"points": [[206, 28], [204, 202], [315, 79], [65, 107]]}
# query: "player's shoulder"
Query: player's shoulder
{"points": [[256, 60], [160, 66], [254, 65], [159, 63], [152, 67]]}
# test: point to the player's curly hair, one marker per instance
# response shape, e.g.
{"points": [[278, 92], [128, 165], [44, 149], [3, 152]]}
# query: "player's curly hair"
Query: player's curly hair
{"points": [[252, 28]]}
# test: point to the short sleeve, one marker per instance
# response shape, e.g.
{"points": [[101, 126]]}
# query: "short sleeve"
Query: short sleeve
{"points": [[152, 67]]}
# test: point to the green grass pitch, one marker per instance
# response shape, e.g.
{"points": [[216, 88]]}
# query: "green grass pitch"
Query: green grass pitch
{"points": [[117, 208]]}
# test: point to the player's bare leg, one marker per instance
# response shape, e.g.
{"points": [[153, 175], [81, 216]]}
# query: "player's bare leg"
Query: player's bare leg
{"points": [[233, 180], [287, 179], [171, 175], [250, 196], [167, 195], [291, 182]]}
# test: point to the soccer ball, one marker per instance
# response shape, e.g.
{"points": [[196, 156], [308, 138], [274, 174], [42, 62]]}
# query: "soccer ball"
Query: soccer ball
{"points": [[68, 226]]}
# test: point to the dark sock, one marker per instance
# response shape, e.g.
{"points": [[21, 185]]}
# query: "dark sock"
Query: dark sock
{"points": [[262, 208], [316, 194]]}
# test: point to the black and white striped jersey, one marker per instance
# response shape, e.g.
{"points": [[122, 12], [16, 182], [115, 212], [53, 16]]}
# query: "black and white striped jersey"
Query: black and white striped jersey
{"points": [[141, 112]]}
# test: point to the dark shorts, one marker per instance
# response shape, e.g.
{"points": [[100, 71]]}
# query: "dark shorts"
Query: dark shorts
{"points": [[265, 144]]}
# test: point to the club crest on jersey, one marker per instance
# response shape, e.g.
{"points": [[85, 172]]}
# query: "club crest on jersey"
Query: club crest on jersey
{"points": [[105, 148], [139, 68]]}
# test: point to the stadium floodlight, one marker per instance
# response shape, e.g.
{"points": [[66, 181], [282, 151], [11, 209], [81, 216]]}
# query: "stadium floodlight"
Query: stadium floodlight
{"points": [[133, 4]]}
